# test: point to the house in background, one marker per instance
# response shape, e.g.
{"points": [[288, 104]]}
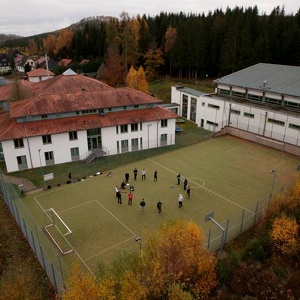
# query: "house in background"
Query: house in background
{"points": [[46, 63], [4, 64], [263, 99], [21, 61], [72, 117], [39, 75], [65, 62]]}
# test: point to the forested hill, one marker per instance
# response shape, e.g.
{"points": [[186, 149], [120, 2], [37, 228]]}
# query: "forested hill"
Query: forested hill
{"points": [[191, 45]]}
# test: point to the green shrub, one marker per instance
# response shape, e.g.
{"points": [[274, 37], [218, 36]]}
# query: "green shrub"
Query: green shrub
{"points": [[259, 249]]}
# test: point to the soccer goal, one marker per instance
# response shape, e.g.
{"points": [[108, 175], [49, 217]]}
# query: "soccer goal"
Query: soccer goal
{"points": [[58, 231]]}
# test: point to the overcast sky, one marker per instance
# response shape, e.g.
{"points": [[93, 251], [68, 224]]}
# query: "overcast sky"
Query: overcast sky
{"points": [[30, 17]]}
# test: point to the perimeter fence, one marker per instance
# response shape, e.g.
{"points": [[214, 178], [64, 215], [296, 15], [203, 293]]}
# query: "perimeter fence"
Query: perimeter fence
{"points": [[45, 252]]}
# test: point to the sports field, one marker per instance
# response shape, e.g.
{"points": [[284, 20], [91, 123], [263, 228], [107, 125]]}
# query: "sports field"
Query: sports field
{"points": [[226, 175]]}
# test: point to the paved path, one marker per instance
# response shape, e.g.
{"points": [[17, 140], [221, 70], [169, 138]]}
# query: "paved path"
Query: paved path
{"points": [[27, 185]]}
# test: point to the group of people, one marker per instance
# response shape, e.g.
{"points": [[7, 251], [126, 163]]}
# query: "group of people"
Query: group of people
{"points": [[186, 188], [125, 182], [143, 172]]}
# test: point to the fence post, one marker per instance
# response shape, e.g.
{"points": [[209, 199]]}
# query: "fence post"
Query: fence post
{"points": [[243, 215], [226, 231], [208, 239]]}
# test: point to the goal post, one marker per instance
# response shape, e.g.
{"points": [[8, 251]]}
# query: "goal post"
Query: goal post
{"points": [[58, 231]]}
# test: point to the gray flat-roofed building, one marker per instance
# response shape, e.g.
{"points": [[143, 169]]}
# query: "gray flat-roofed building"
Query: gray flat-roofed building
{"points": [[278, 79], [263, 100]]}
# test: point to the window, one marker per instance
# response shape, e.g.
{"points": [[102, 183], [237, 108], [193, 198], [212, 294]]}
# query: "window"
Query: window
{"points": [[44, 116], [124, 128], [136, 106], [193, 109], [19, 143], [74, 153], [124, 107], [234, 111], [134, 127], [118, 147], [184, 105], [22, 162], [141, 143], [49, 158], [47, 139], [238, 94], [224, 92], [117, 129], [164, 139], [255, 97], [134, 144], [203, 103], [213, 106], [164, 123], [273, 101], [294, 126], [277, 122], [141, 126], [212, 123], [124, 146], [248, 115], [73, 135]]}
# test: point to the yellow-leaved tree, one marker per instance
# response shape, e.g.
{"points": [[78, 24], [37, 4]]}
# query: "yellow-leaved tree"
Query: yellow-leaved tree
{"points": [[137, 80], [284, 235], [81, 286], [176, 254]]}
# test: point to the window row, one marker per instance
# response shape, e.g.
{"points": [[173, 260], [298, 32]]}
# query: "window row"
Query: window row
{"points": [[135, 127]]}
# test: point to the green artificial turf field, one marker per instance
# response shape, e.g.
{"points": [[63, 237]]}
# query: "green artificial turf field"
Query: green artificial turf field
{"points": [[227, 175]]}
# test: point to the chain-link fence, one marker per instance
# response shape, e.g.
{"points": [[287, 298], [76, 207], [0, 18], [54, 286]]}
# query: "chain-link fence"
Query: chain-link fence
{"points": [[40, 244]]}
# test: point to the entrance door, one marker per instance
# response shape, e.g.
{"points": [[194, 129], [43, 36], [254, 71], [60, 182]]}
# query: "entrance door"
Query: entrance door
{"points": [[202, 123]]}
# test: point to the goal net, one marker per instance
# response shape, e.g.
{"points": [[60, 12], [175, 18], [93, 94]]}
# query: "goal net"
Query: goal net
{"points": [[58, 231]]}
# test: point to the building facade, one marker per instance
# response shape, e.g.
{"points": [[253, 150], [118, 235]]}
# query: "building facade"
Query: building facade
{"points": [[263, 99], [70, 117]]}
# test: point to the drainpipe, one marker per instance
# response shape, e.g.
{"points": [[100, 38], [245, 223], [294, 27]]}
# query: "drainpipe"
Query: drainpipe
{"points": [[265, 123]]}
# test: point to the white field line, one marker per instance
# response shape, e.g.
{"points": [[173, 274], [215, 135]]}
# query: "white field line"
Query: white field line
{"points": [[94, 200]]}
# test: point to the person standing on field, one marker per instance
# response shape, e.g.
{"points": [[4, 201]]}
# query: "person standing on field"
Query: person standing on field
{"points": [[142, 205], [116, 190], [158, 205], [178, 179], [119, 197], [155, 175], [135, 171], [188, 192], [180, 200], [126, 177], [185, 183], [130, 196], [144, 174]]}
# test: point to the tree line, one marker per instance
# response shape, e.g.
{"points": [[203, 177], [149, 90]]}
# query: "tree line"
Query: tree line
{"points": [[179, 44]]}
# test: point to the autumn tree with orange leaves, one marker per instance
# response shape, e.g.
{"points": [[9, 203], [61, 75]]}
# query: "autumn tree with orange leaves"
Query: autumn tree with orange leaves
{"points": [[136, 79], [176, 254]]}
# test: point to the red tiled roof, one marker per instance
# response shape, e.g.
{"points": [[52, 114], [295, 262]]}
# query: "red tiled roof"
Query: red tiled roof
{"points": [[10, 129], [39, 72], [65, 62], [7, 91], [74, 93]]}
